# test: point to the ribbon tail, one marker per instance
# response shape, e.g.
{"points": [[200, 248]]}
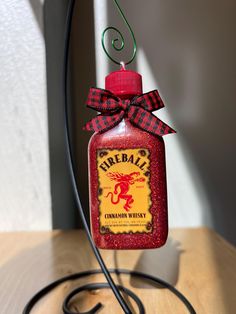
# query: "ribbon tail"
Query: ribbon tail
{"points": [[102, 123], [148, 122], [163, 128], [150, 101]]}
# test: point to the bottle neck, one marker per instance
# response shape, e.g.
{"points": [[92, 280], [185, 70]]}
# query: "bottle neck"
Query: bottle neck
{"points": [[124, 82], [126, 96]]}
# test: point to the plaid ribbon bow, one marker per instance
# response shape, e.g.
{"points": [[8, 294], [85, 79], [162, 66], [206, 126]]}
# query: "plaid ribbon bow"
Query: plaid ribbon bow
{"points": [[138, 110]]}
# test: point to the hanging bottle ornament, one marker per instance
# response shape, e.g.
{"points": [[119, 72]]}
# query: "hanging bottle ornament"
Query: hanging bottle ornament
{"points": [[126, 154]]}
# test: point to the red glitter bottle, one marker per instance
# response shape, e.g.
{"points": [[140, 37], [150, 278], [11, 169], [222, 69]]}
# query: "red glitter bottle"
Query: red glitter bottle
{"points": [[127, 179]]}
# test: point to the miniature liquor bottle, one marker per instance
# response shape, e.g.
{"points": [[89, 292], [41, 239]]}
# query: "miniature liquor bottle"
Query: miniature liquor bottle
{"points": [[127, 179]]}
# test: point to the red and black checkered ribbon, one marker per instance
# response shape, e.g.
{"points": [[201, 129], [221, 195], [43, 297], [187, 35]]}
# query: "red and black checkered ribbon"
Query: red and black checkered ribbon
{"points": [[138, 110]]}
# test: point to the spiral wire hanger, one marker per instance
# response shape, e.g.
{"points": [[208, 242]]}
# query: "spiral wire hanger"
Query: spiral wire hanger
{"points": [[119, 43], [116, 289]]}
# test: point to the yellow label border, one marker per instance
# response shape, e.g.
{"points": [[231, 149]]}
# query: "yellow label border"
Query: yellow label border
{"points": [[150, 223]]}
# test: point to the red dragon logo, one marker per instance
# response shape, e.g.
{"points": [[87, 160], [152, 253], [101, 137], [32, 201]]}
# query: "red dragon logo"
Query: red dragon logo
{"points": [[124, 182]]}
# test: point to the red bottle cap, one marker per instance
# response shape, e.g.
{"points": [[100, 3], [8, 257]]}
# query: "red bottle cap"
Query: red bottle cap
{"points": [[124, 82]]}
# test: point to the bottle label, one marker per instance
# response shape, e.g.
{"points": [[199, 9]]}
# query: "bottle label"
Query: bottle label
{"points": [[124, 192]]}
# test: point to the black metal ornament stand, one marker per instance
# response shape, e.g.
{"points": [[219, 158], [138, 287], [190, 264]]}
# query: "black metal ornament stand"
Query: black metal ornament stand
{"points": [[117, 289]]}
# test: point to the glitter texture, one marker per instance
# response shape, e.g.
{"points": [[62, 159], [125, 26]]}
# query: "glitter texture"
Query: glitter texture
{"points": [[124, 136]]}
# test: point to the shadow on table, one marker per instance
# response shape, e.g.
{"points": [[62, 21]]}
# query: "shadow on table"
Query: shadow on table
{"points": [[162, 263]]}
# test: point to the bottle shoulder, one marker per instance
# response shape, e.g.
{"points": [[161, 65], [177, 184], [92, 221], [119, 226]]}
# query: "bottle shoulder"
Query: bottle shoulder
{"points": [[124, 135]]}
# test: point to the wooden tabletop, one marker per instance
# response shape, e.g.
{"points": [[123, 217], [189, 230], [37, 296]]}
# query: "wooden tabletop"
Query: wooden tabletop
{"points": [[198, 262]]}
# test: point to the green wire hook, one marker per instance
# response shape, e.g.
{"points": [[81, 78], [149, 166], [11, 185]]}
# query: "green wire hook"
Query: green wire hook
{"points": [[120, 40]]}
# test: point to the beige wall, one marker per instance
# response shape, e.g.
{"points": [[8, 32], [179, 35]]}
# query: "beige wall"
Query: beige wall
{"points": [[24, 166]]}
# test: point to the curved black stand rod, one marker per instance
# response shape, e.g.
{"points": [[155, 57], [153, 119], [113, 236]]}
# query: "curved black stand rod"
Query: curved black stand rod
{"points": [[107, 273]]}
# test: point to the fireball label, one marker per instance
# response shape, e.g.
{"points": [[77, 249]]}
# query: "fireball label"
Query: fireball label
{"points": [[124, 192]]}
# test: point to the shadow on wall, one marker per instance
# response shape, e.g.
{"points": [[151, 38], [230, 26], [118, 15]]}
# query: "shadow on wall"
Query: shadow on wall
{"points": [[36, 6], [191, 51], [63, 210], [81, 76]]}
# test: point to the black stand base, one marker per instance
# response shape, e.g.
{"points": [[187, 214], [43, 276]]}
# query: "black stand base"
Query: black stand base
{"points": [[95, 286]]}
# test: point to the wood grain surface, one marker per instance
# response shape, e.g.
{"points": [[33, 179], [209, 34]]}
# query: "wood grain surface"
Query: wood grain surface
{"points": [[196, 261]]}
